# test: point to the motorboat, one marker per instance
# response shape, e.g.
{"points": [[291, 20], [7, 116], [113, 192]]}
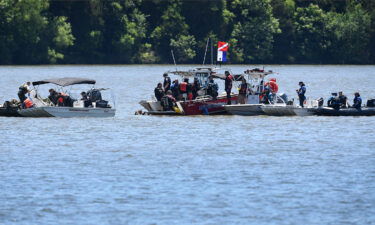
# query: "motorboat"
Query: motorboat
{"points": [[203, 104], [256, 82], [328, 111], [282, 109], [43, 107]]}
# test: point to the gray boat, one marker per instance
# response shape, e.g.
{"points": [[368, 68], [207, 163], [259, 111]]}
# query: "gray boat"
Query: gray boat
{"points": [[44, 108]]}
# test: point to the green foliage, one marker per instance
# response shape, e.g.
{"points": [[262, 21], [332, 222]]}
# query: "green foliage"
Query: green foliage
{"points": [[253, 34], [310, 28], [184, 46], [351, 35], [145, 31]]}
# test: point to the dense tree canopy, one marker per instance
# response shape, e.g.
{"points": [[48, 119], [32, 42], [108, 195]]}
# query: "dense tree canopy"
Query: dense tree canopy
{"points": [[146, 31]]}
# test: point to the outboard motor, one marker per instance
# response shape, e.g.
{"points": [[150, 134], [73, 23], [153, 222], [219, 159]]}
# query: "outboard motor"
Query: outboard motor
{"points": [[94, 95], [320, 102], [284, 97]]}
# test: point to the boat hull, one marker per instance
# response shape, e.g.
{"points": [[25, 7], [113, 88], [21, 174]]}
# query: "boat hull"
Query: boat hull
{"points": [[206, 107], [67, 112], [245, 109], [9, 112], [326, 111], [275, 110]]}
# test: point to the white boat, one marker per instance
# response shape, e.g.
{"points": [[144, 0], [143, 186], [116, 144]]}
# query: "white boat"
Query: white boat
{"points": [[256, 81], [67, 112], [44, 107]]}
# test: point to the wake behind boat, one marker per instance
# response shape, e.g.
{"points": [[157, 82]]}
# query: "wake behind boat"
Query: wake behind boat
{"points": [[61, 104]]}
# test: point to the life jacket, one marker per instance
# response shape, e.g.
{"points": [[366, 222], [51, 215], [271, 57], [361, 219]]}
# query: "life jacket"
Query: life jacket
{"points": [[183, 86], [272, 85], [28, 103]]}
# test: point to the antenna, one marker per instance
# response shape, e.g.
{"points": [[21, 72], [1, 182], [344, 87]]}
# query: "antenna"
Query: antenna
{"points": [[212, 54], [205, 52], [174, 61]]}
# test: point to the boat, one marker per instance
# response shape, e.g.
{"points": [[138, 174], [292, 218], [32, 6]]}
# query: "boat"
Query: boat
{"points": [[204, 104], [44, 108], [253, 107], [328, 111]]}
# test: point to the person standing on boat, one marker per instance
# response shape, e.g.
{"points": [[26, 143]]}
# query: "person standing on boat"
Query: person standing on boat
{"points": [[212, 88], [301, 93], [159, 92], [183, 88], [175, 89], [23, 90], [228, 86], [357, 101], [167, 83], [195, 87], [343, 100], [242, 91]]}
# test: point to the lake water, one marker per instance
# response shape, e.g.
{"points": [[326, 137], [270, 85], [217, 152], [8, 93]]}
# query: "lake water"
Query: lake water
{"points": [[188, 170]]}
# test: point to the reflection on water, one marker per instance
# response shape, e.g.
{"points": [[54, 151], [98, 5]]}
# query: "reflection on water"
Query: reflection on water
{"points": [[202, 169]]}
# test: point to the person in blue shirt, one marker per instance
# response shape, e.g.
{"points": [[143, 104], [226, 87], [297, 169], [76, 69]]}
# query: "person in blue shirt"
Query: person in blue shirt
{"points": [[334, 102], [212, 88], [301, 93], [357, 101]]}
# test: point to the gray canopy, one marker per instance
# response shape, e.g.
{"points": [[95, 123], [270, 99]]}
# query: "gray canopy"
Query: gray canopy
{"points": [[66, 81]]}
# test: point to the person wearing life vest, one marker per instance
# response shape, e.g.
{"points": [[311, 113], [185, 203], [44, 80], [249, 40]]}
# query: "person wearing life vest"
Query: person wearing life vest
{"points": [[334, 101], [343, 100], [159, 92], [242, 91], [357, 101], [23, 90], [301, 93], [196, 87], [183, 87], [273, 88], [53, 96], [175, 89], [168, 101], [228, 85], [167, 83], [212, 88], [28, 103]]}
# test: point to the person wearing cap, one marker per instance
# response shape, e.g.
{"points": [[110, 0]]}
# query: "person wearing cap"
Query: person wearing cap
{"points": [[85, 99], [357, 101], [159, 92], [343, 100], [23, 90], [228, 85], [334, 101], [167, 83], [167, 101], [301, 93]]}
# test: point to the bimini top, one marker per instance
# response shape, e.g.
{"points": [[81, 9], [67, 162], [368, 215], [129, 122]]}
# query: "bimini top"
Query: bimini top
{"points": [[66, 81]]}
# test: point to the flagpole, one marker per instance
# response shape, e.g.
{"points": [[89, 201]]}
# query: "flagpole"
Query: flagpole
{"points": [[212, 54]]}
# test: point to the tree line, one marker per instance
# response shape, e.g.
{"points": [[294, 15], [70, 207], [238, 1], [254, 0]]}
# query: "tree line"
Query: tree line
{"points": [[145, 31]]}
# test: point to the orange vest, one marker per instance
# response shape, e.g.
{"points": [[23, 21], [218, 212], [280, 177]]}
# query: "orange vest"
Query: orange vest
{"points": [[273, 86], [28, 103]]}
